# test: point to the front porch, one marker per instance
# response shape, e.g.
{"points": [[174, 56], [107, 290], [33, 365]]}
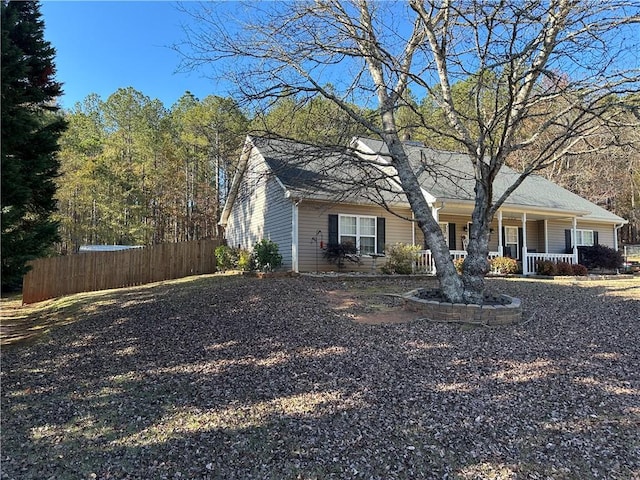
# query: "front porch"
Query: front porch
{"points": [[425, 263], [529, 237]]}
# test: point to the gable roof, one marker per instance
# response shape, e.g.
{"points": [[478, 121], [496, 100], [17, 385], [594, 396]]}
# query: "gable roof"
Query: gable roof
{"points": [[339, 175], [327, 173]]}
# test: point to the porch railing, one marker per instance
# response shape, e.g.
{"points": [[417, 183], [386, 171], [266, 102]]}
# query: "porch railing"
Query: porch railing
{"points": [[530, 266], [426, 264]]}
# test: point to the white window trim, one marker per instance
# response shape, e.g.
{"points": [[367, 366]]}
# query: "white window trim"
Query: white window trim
{"points": [[357, 234], [580, 234]]}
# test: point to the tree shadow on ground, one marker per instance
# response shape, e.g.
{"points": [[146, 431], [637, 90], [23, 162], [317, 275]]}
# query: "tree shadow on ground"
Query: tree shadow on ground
{"points": [[265, 379]]}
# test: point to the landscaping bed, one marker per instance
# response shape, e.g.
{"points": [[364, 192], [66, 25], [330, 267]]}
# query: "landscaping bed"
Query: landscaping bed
{"points": [[495, 309], [242, 378]]}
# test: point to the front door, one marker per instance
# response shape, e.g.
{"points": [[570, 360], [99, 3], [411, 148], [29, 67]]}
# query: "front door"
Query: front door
{"points": [[511, 242]]}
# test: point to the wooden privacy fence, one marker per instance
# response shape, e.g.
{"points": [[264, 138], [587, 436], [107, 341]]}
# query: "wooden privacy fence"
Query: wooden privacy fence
{"points": [[87, 272]]}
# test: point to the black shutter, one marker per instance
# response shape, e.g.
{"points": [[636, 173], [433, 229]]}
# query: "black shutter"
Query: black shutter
{"points": [[333, 230], [520, 243], [567, 241], [595, 238], [381, 239], [452, 236]]}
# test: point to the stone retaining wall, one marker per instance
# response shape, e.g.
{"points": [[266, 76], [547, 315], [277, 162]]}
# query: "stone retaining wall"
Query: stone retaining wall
{"points": [[465, 313]]}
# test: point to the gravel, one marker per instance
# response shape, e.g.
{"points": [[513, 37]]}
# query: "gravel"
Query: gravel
{"points": [[244, 378]]}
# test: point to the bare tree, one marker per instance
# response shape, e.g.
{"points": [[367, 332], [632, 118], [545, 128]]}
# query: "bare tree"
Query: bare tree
{"points": [[579, 56]]}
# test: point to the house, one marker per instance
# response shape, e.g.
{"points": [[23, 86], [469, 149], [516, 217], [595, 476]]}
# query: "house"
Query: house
{"points": [[304, 197]]}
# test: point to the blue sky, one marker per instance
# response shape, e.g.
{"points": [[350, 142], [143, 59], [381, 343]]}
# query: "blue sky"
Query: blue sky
{"points": [[102, 46]]}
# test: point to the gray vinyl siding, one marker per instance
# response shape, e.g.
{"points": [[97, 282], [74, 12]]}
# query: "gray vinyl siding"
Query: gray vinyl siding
{"points": [[261, 211], [278, 221], [532, 237], [540, 240], [555, 232], [556, 229], [314, 216]]}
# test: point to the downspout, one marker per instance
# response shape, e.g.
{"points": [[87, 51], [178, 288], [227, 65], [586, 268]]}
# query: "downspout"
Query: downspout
{"points": [[525, 260], [546, 236], [615, 235], [294, 233], [574, 240]]}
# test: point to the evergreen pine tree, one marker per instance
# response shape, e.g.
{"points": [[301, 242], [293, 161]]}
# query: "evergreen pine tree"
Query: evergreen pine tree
{"points": [[30, 132]]}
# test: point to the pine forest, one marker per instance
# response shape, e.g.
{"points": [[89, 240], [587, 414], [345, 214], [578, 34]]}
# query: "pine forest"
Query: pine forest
{"points": [[136, 173]]}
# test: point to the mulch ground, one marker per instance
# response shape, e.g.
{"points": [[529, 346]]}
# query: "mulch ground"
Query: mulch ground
{"points": [[301, 378]]}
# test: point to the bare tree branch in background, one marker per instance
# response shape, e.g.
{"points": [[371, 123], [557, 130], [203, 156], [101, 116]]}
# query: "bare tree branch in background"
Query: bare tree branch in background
{"points": [[548, 74]]}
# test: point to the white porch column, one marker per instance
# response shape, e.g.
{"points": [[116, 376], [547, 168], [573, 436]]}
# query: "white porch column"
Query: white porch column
{"points": [[524, 244], [574, 240], [500, 247], [546, 236], [294, 237]]}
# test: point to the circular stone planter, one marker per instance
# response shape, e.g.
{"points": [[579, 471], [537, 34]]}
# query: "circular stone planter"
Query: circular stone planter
{"points": [[269, 274], [437, 311]]}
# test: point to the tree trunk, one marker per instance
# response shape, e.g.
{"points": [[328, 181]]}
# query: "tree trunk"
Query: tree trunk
{"points": [[476, 265], [451, 284]]}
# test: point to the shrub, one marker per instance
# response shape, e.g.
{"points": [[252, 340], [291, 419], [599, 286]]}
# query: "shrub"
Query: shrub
{"points": [[245, 260], [504, 265], [226, 257], [564, 269], [337, 252], [458, 262], [579, 270], [546, 267], [600, 256], [401, 258], [266, 256]]}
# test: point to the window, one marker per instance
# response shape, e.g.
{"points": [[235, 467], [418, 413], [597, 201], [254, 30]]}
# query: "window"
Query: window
{"points": [[584, 238], [511, 241], [360, 231]]}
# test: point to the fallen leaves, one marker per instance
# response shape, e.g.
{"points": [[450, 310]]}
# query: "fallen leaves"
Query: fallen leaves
{"points": [[248, 378]]}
